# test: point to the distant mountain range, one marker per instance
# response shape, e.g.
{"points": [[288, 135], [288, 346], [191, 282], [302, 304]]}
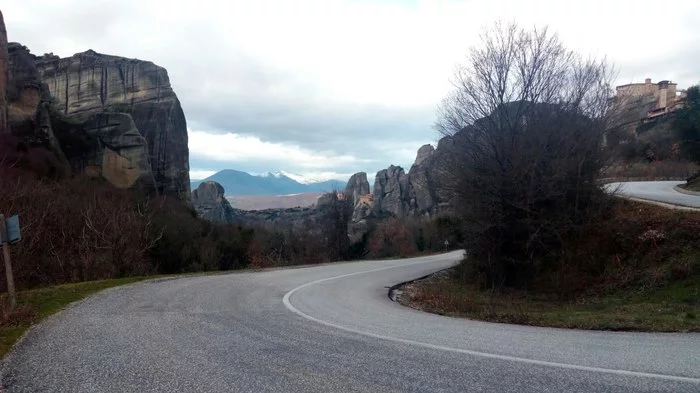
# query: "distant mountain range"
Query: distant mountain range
{"points": [[240, 183]]}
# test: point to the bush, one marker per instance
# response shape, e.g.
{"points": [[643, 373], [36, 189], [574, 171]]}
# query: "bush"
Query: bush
{"points": [[74, 230], [187, 243], [392, 238]]}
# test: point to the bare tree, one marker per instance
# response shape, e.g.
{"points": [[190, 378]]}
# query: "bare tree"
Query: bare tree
{"points": [[526, 119]]}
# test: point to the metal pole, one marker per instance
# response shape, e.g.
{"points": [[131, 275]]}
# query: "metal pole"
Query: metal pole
{"points": [[8, 263]]}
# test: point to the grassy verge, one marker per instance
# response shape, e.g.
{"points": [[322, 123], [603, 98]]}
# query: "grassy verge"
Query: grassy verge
{"points": [[37, 304], [674, 308]]}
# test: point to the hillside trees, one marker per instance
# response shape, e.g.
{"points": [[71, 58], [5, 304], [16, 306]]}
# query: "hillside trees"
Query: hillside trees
{"points": [[687, 124], [526, 117]]}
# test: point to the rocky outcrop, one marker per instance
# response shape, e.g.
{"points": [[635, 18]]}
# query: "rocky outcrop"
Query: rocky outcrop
{"points": [[3, 75], [121, 156], [28, 107], [90, 83], [424, 154], [391, 192], [209, 202], [356, 187], [422, 187], [419, 192], [356, 194]]}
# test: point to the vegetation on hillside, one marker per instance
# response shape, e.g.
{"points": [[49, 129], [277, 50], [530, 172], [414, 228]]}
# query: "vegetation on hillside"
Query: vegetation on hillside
{"points": [[637, 269], [687, 124], [545, 245]]}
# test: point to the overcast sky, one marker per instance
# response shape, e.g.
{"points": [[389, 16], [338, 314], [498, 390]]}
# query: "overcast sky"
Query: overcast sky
{"points": [[334, 86]]}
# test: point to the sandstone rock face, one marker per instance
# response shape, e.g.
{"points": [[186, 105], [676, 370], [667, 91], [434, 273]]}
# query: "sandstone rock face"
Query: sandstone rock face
{"points": [[89, 83], [28, 106], [357, 186], [25, 92], [209, 202], [122, 154], [3, 76]]}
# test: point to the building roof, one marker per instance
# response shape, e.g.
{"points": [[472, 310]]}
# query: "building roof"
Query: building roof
{"points": [[644, 83]]}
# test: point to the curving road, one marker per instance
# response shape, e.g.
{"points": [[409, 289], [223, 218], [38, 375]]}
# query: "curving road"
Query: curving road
{"points": [[658, 191], [327, 328]]}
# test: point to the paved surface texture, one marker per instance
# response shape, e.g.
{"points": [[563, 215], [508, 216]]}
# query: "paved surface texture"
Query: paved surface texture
{"points": [[659, 191], [329, 328]]}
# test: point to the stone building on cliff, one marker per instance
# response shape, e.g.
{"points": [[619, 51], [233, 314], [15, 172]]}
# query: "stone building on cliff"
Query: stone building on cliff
{"points": [[666, 96], [640, 107]]}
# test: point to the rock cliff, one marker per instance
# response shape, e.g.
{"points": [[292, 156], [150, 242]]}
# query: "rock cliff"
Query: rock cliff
{"points": [[28, 107], [356, 193], [391, 192], [419, 192], [356, 187], [209, 202], [95, 114], [121, 156], [90, 83]]}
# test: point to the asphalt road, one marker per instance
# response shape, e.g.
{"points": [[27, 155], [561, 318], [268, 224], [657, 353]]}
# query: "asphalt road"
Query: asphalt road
{"points": [[659, 191], [328, 328]]}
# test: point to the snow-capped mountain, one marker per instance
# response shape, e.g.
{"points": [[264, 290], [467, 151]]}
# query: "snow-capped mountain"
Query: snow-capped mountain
{"points": [[237, 183], [319, 177]]}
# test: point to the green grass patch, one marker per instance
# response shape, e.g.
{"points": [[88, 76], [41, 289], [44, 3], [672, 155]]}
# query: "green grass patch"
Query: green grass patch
{"points": [[672, 308], [37, 304]]}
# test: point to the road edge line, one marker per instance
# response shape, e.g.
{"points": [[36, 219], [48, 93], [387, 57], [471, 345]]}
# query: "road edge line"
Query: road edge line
{"points": [[287, 303]]}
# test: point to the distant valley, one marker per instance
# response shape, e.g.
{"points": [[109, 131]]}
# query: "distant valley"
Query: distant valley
{"points": [[238, 183], [262, 202]]}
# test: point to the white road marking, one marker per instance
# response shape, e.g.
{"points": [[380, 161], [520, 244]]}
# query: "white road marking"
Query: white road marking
{"points": [[627, 373]]}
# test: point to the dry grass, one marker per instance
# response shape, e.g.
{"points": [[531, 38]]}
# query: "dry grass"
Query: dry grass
{"points": [[670, 309], [657, 170]]}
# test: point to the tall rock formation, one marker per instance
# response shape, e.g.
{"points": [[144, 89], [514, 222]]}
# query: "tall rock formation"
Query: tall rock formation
{"points": [[28, 107], [357, 193], [209, 202], [419, 192], [3, 75], [356, 187], [90, 83], [422, 185], [391, 192]]}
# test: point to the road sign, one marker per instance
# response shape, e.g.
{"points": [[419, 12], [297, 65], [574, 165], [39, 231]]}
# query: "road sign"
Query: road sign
{"points": [[13, 233], [5, 239]]}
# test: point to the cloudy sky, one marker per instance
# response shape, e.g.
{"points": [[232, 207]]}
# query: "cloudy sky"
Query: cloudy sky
{"points": [[332, 87]]}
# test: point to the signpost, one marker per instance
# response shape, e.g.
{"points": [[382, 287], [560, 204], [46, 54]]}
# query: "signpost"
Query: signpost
{"points": [[9, 234]]}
